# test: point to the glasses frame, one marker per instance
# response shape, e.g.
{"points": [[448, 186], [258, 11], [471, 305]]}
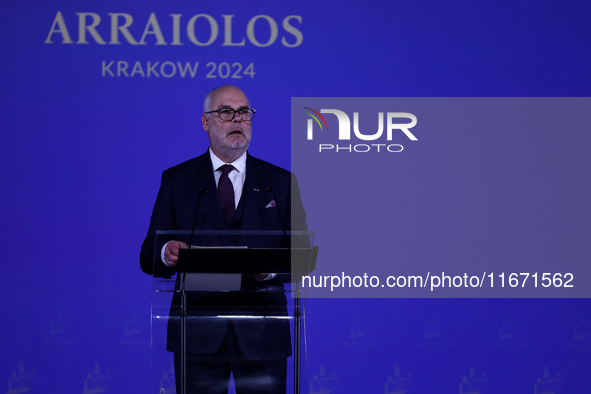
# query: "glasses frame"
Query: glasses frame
{"points": [[236, 111]]}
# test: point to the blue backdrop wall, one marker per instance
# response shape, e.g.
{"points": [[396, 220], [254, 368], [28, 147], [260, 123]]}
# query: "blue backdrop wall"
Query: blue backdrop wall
{"points": [[99, 98]]}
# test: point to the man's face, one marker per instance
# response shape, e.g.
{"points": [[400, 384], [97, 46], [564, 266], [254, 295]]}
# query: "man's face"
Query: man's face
{"points": [[228, 140]]}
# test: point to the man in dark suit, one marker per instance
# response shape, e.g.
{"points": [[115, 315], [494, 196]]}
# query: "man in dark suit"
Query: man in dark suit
{"points": [[235, 192]]}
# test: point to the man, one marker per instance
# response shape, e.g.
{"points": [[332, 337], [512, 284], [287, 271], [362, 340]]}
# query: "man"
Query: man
{"points": [[230, 190]]}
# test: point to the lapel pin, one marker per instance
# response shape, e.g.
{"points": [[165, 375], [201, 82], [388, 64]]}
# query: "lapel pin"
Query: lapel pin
{"points": [[256, 189]]}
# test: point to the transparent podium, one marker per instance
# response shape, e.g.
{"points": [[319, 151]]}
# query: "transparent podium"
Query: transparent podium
{"points": [[220, 322]]}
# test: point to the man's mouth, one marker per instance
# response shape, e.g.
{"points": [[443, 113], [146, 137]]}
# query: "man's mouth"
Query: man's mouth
{"points": [[233, 132]]}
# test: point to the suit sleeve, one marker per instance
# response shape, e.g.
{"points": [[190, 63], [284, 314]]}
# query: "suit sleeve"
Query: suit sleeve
{"points": [[296, 215], [295, 219], [163, 218]]}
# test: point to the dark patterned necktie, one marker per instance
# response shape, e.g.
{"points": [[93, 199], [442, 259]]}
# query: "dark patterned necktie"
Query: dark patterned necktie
{"points": [[226, 191]]}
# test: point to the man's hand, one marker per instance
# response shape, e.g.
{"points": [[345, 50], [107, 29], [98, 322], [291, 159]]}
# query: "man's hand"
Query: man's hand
{"points": [[171, 252]]}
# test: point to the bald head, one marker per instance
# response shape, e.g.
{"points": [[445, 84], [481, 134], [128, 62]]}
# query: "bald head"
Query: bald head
{"points": [[209, 103]]}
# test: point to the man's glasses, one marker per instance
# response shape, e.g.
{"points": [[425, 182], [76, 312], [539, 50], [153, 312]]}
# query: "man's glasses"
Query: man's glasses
{"points": [[227, 114]]}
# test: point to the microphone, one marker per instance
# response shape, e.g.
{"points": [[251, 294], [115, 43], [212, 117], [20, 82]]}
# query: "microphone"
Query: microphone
{"points": [[184, 304], [202, 191]]}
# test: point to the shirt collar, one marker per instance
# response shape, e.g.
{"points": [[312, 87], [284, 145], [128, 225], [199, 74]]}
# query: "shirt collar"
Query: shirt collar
{"points": [[239, 164]]}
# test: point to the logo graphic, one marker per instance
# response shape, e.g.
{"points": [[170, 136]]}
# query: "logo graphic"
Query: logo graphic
{"points": [[167, 384], [394, 122], [21, 381], [97, 381], [310, 124], [399, 384], [547, 384], [322, 383], [436, 336], [473, 384]]}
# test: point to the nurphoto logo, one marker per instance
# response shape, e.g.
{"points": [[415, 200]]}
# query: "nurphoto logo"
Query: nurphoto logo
{"points": [[393, 125]]}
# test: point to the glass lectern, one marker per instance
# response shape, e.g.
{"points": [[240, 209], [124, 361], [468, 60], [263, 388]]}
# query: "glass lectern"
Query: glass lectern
{"points": [[218, 308]]}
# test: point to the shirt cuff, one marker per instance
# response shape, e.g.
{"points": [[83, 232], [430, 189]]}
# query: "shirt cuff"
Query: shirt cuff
{"points": [[162, 254]]}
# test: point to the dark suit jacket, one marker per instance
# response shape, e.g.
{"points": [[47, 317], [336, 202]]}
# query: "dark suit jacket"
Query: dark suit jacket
{"points": [[175, 210]]}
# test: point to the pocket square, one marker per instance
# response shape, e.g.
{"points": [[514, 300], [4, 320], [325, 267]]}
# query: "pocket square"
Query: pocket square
{"points": [[271, 204]]}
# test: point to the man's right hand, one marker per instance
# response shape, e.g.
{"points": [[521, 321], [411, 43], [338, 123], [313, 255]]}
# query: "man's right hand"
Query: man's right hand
{"points": [[171, 252]]}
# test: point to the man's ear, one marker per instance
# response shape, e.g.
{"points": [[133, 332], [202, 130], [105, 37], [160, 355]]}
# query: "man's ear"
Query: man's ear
{"points": [[205, 122]]}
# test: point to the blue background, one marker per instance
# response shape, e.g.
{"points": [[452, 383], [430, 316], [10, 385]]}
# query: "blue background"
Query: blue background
{"points": [[83, 154]]}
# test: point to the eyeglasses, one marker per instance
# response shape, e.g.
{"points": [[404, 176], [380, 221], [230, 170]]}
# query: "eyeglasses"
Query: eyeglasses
{"points": [[228, 114]]}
